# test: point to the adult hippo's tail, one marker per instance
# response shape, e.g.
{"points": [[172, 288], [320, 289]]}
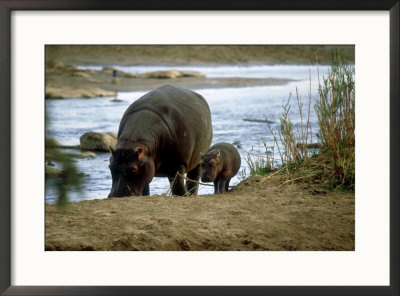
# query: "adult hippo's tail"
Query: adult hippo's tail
{"points": [[161, 134]]}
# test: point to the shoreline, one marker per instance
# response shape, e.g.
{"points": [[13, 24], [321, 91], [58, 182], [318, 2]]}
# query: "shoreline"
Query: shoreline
{"points": [[66, 81], [258, 214]]}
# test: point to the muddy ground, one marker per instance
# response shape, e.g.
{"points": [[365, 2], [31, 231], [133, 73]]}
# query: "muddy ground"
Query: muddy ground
{"points": [[258, 214]]}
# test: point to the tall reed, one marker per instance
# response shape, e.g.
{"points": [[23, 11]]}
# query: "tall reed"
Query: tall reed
{"points": [[335, 109], [291, 144], [294, 142]]}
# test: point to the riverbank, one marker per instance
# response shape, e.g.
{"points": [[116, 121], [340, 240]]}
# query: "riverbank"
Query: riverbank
{"points": [[258, 214], [195, 54]]}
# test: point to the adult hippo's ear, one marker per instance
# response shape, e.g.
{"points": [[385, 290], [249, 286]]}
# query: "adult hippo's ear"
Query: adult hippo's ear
{"points": [[140, 153]]}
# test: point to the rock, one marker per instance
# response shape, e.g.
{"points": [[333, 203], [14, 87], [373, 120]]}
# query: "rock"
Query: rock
{"points": [[98, 141], [168, 74], [81, 74], [86, 154], [191, 74], [171, 74]]}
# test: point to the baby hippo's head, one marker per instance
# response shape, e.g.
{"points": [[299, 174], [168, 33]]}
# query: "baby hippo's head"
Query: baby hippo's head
{"points": [[210, 165]]}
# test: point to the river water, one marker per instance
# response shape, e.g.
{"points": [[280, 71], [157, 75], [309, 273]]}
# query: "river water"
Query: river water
{"points": [[71, 118]]}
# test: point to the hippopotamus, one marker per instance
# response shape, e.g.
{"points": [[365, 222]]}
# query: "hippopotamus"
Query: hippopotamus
{"points": [[219, 165], [161, 134]]}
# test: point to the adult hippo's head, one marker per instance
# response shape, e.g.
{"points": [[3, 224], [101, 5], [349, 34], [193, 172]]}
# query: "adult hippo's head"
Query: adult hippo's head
{"points": [[131, 170]]}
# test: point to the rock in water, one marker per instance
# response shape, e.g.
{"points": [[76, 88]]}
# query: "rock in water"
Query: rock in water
{"points": [[98, 141], [170, 74]]}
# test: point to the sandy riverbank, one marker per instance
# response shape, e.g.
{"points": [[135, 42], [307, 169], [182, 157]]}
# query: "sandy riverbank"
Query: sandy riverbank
{"points": [[256, 215]]}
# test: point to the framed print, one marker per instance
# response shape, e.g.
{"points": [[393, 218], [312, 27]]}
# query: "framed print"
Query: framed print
{"points": [[242, 148]]}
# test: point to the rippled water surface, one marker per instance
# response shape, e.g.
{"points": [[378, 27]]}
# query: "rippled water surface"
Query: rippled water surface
{"points": [[69, 119]]}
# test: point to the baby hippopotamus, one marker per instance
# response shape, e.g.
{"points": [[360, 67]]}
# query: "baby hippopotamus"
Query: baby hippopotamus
{"points": [[219, 165]]}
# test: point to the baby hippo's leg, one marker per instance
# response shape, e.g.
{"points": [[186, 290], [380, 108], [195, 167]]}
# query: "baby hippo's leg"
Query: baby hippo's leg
{"points": [[222, 184]]}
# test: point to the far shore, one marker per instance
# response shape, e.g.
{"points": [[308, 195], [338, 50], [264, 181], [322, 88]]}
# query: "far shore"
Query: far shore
{"points": [[64, 81], [195, 54]]}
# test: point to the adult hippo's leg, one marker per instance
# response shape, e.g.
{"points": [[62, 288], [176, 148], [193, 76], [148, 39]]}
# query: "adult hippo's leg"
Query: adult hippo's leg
{"points": [[146, 190], [179, 185], [193, 187], [227, 184], [216, 186]]}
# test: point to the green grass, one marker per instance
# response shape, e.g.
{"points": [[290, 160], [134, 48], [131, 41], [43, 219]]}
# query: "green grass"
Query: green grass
{"points": [[336, 117], [330, 163]]}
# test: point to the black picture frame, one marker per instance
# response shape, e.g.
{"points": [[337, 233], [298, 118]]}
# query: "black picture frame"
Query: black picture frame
{"points": [[6, 7]]}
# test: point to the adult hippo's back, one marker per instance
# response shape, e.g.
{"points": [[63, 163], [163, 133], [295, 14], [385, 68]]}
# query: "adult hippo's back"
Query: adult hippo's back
{"points": [[160, 134]]}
